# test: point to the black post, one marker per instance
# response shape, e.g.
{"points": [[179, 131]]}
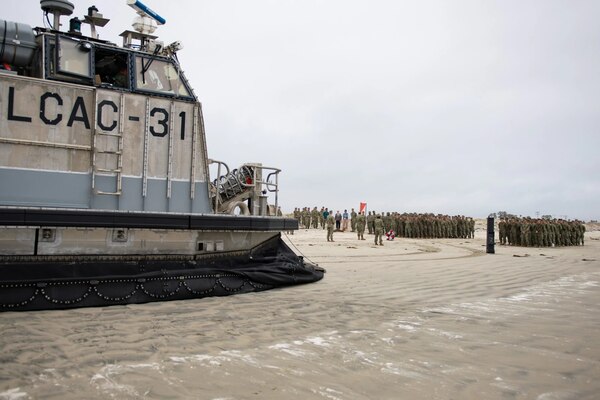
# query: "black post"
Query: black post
{"points": [[489, 248]]}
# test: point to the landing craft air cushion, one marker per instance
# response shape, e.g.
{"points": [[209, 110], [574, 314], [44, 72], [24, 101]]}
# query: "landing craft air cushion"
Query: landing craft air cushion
{"points": [[105, 193]]}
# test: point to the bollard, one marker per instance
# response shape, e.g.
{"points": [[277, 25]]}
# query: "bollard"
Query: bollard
{"points": [[489, 248]]}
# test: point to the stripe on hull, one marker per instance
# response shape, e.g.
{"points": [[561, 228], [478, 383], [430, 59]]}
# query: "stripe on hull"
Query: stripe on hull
{"points": [[42, 188]]}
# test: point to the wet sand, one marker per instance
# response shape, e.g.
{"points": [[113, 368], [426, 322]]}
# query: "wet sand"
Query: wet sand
{"points": [[414, 319]]}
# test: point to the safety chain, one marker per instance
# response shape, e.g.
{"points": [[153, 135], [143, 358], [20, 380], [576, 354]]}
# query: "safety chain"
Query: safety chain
{"points": [[160, 296], [115, 299], [22, 303], [257, 285], [93, 287], [198, 292], [230, 290], [66, 302]]}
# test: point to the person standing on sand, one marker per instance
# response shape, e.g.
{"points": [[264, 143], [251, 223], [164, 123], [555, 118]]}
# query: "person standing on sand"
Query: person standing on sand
{"points": [[370, 219], [353, 216], [321, 218], [338, 220], [501, 230], [378, 228], [361, 221], [330, 222], [345, 221], [315, 218], [306, 217]]}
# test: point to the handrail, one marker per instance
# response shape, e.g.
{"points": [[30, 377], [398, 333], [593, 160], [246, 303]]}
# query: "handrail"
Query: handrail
{"points": [[235, 181], [217, 181], [266, 183]]}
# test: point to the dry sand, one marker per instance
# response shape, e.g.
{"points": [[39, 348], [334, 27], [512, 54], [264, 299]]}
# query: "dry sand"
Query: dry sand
{"points": [[414, 319]]}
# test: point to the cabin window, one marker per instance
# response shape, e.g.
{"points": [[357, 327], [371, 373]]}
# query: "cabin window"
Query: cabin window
{"points": [[159, 76], [68, 59], [74, 57], [111, 68]]}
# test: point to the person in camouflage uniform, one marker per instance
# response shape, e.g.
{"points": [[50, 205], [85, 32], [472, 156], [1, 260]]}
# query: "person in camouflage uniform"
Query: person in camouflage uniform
{"points": [[378, 229], [417, 224], [526, 235], [330, 224], [471, 228], [353, 216], [408, 231], [305, 215], [387, 222], [314, 216], [397, 224], [370, 219], [297, 215], [361, 221], [581, 232], [515, 233]]}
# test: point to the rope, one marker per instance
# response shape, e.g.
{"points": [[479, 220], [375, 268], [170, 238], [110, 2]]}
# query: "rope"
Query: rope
{"points": [[298, 250]]}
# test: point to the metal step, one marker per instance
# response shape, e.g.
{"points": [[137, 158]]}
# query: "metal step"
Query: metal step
{"points": [[100, 192], [116, 171], [118, 162], [116, 152]]}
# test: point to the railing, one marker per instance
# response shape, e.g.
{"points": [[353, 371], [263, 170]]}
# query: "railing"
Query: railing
{"points": [[247, 179]]}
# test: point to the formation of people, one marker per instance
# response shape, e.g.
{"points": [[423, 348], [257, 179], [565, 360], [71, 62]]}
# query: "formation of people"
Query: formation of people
{"points": [[315, 219], [425, 225], [536, 232], [528, 232], [390, 225]]}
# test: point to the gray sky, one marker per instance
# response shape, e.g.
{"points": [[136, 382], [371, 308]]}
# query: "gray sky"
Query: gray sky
{"points": [[456, 107]]}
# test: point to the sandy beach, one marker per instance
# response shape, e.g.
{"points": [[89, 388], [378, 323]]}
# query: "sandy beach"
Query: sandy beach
{"points": [[413, 319]]}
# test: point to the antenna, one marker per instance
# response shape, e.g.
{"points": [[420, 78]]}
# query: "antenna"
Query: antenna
{"points": [[57, 8], [145, 12], [144, 25]]}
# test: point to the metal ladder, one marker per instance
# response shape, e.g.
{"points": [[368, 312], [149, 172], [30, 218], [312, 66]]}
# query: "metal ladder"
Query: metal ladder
{"points": [[118, 170]]}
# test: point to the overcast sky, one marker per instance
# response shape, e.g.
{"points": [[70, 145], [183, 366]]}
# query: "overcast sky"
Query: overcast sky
{"points": [[455, 107]]}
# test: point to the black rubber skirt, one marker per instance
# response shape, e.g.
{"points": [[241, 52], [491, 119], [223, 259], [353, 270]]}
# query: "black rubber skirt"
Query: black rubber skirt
{"points": [[45, 284]]}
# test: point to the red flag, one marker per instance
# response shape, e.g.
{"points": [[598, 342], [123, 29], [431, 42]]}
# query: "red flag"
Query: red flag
{"points": [[363, 207]]}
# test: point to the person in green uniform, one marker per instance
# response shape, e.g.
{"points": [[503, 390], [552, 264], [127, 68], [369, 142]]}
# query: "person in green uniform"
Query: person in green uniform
{"points": [[378, 229], [315, 218], [321, 218], [305, 217], [501, 231], [330, 225], [387, 221], [353, 216], [361, 221], [370, 219]]}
